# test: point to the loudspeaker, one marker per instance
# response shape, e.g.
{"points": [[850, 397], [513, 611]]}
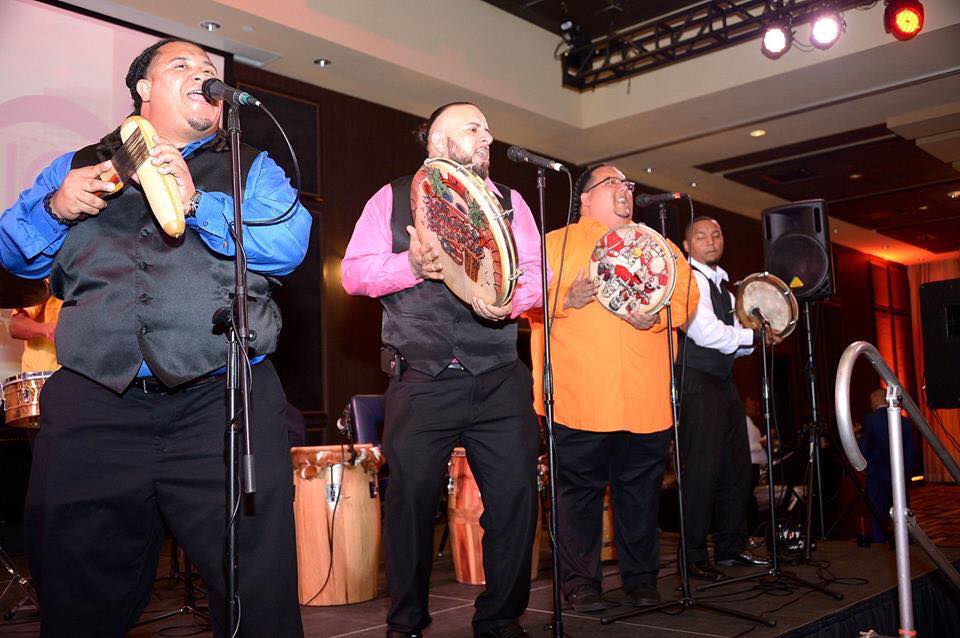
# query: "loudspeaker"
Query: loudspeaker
{"points": [[940, 323], [796, 248]]}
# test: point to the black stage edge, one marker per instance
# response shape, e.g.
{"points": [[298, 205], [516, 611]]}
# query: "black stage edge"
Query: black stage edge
{"points": [[801, 613]]}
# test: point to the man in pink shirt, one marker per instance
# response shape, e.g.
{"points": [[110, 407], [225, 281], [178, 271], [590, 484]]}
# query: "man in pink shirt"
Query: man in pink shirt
{"points": [[455, 380]]}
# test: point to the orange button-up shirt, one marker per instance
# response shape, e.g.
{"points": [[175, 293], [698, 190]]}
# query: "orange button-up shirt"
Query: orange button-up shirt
{"points": [[40, 353], [607, 374]]}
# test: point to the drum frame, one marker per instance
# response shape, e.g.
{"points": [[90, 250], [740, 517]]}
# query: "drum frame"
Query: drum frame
{"points": [[478, 190], [751, 322]]}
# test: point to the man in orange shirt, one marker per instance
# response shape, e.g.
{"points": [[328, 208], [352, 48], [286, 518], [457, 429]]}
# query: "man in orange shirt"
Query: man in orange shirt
{"points": [[612, 398], [36, 325]]}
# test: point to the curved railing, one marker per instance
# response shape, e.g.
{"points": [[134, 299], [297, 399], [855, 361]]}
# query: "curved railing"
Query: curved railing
{"points": [[903, 519]]}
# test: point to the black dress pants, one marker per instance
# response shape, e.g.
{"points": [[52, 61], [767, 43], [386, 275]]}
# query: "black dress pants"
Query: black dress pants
{"points": [[633, 465], [491, 415], [109, 470], [717, 473]]}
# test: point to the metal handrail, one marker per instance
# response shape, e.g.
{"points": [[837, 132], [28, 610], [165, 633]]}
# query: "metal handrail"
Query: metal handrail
{"points": [[903, 519]]}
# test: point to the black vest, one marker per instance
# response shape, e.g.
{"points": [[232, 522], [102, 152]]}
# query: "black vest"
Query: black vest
{"points": [[132, 293], [707, 359], [428, 324]]}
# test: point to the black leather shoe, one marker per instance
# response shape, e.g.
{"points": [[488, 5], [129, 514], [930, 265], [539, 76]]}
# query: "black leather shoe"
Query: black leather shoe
{"points": [[746, 558], [513, 630], [587, 600], [644, 597], [705, 570]]}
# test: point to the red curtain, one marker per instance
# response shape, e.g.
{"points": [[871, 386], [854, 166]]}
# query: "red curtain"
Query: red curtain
{"points": [[918, 275]]}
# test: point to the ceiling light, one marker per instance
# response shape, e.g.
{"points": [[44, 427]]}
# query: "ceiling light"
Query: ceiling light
{"points": [[924, 207], [855, 175], [903, 18], [209, 25], [826, 28], [954, 194], [246, 28], [693, 184], [776, 40], [322, 62], [648, 169], [757, 132]]}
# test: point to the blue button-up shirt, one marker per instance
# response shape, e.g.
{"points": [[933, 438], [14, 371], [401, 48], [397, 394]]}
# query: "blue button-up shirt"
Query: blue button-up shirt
{"points": [[30, 237]]}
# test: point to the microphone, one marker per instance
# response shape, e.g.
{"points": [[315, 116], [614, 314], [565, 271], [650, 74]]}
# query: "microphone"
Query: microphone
{"points": [[644, 200], [335, 478], [214, 89], [517, 154], [759, 315]]}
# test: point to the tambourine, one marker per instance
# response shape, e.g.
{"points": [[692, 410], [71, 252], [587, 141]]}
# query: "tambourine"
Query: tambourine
{"points": [[774, 300], [454, 211], [634, 269]]}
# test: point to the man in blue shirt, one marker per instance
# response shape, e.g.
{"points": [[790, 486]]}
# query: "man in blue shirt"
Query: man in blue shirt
{"points": [[132, 427], [875, 447]]}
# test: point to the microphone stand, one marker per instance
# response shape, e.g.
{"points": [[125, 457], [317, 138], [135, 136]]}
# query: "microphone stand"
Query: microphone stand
{"points": [[557, 624], [774, 570], [686, 600], [238, 423]]}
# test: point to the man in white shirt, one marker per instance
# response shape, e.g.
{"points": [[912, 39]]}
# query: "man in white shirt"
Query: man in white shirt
{"points": [[717, 476]]}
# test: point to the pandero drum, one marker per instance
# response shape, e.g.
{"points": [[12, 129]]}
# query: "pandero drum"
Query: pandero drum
{"points": [[337, 514], [464, 510], [769, 296], [455, 212], [635, 270], [21, 399]]}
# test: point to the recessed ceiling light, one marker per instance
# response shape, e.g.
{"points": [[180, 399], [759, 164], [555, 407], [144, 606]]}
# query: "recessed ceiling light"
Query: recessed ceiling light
{"points": [[693, 184], [246, 28], [322, 62], [648, 169], [855, 175], [757, 132], [924, 207], [209, 25], [954, 194]]}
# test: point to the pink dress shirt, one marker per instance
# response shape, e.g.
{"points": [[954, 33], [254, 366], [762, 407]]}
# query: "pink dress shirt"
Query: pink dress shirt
{"points": [[371, 268]]}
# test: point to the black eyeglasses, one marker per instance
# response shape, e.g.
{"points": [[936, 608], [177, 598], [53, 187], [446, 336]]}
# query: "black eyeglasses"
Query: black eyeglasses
{"points": [[616, 181]]}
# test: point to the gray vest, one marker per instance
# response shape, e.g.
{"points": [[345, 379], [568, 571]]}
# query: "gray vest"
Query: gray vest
{"points": [[707, 359], [132, 293], [428, 324]]}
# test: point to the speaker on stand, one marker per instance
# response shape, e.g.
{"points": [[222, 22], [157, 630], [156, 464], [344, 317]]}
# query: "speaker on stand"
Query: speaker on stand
{"points": [[796, 248]]}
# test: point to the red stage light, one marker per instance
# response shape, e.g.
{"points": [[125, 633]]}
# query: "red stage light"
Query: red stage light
{"points": [[903, 18]]}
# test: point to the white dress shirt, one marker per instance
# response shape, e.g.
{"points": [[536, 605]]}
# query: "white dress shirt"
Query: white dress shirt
{"points": [[706, 329]]}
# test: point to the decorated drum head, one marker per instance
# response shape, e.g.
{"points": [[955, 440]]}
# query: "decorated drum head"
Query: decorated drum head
{"points": [[634, 269], [455, 212], [772, 297]]}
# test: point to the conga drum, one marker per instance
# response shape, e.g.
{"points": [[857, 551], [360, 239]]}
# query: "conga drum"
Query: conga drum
{"points": [[21, 399], [463, 515], [337, 514], [635, 270]]}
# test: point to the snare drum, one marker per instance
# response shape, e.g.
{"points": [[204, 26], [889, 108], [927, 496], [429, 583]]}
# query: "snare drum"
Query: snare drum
{"points": [[464, 510], [336, 505], [772, 297], [455, 212], [634, 269], [21, 396]]}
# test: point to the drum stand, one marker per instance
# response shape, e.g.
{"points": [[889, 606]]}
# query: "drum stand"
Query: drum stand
{"points": [[28, 600], [774, 571], [686, 600]]}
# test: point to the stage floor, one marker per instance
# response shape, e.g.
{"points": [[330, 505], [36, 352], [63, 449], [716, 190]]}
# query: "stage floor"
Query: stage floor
{"points": [[857, 573]]}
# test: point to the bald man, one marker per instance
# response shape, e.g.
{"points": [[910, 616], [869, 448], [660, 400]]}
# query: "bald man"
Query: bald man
{"points": [[455, 380]]}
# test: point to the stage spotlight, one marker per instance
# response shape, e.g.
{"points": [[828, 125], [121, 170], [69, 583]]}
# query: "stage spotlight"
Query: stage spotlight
{"points": [[826, 28], [776, 40], [903, 18]]}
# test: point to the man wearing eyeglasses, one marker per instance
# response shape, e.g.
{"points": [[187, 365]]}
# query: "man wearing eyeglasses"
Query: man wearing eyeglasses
{"points": [[612, 398]]}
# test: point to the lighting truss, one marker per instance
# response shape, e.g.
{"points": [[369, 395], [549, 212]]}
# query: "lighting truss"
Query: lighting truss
{"points": [[681, 35]]}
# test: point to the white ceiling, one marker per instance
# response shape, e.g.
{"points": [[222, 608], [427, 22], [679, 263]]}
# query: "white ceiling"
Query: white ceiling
{"points": [[415, 54]]}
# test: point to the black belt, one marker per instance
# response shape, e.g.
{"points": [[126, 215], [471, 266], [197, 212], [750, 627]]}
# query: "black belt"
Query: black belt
{"points": [[153, 385]]}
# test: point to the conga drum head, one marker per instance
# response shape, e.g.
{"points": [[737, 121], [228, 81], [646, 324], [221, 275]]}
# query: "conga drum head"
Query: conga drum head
{"points": [[455, 212], [634, 269], [21, 399], [772, 297]]}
